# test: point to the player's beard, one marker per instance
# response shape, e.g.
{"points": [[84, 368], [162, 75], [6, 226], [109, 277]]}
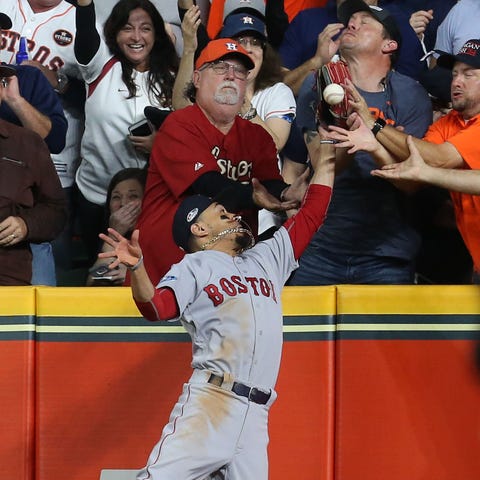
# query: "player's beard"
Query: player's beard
{"points": [[244, 240], [224, 94], [243, 237]]}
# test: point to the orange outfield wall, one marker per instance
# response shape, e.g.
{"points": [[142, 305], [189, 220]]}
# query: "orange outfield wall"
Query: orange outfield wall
{"points": [[407, 383], [375, 382], [17, 400]]}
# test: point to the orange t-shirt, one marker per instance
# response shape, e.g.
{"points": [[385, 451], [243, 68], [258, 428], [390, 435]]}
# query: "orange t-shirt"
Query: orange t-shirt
{"points": [[464, 137], [292, 7]]}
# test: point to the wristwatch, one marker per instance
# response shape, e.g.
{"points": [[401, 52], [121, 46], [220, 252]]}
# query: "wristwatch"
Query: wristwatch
{"points": [[378, 125], [62, 82], [251, 113]]}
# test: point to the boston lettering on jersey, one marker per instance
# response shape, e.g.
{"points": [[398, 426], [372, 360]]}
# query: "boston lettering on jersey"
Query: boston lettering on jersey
{"points": [[234, 286]]}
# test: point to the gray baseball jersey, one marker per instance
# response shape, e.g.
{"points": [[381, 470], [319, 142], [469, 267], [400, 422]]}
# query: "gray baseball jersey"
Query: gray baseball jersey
{"points": [[231, 307]]}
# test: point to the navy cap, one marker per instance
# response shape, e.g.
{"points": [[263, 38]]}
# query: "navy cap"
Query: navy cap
{"points": [[349, 7], [186, 215], [469, 54], [243, 23], [5, 22]]}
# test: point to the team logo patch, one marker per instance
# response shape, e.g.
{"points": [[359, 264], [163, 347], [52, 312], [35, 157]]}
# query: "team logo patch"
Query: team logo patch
{"points": [[168, 278], [192, 214], [231, 46], [63, 38]]}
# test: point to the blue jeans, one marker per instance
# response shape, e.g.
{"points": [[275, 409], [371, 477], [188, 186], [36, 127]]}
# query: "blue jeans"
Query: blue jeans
{"points": [[43, 265], [324, 268]]}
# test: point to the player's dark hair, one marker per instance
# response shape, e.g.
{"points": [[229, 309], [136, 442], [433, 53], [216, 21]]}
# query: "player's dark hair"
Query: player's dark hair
{"points": [[163, 61]]}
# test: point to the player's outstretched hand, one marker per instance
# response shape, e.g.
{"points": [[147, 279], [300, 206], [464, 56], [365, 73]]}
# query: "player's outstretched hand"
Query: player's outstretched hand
{"points": [[263, 199], [123, 251]]}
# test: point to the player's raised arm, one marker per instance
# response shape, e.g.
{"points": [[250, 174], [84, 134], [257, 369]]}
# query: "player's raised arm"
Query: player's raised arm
{"points": [[302, 226], [321, 152]]}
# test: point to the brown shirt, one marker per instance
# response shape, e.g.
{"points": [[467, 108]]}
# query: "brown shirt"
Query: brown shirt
{"points": [[30, 189]]}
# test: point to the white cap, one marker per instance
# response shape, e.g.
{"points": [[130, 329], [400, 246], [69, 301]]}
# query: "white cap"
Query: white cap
{"points": [[254, 5]]}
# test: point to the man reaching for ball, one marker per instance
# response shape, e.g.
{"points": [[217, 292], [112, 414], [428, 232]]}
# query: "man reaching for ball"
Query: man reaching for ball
{"points": [[366, 238]]}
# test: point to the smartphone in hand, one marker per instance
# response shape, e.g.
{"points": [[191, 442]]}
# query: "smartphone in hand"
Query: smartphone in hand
{"points": [[143, 128]]}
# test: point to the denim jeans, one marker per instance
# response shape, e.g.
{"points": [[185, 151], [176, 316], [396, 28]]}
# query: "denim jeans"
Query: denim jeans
{"points": [[324, 268], [43, 265]]}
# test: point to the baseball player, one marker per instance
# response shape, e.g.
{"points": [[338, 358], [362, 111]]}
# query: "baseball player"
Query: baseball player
{"points": [[227, 296]]}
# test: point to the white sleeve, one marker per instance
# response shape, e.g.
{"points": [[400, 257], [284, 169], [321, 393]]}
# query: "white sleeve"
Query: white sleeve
{"points": [[275, 102]]}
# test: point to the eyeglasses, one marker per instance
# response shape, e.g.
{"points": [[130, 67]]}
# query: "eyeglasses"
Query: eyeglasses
{"points": [[254, 42], [221, 67]]}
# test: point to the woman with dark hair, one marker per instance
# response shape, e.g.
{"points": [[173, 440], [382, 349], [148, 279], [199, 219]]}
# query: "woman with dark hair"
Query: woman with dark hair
{"points": [[124, 203], [133, 66]]}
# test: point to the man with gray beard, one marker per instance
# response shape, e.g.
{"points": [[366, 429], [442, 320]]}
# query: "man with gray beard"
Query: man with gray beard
{"points": [[208, 149]]}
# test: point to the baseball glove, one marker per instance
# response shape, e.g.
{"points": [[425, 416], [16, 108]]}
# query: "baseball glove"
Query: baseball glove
{"points": [[332, 72]]}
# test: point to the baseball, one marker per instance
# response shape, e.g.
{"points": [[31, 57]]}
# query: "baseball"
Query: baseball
{"points": [[333, 93]]}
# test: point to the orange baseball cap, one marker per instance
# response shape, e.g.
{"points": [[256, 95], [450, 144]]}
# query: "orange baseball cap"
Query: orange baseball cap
{"points": [[223, 47]]}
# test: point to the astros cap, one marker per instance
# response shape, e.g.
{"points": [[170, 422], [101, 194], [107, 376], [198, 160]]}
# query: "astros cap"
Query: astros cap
{"points": [[223, 47], [239, 23], [255, 7], [349, 7], [186, 215], [469, 54], [5, 22]]}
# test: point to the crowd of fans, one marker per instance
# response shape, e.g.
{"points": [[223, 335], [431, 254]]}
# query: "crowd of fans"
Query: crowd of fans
{"points": [[138, 81]]}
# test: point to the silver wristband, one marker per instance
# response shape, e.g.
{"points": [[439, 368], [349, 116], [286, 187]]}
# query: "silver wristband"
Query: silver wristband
{"points": [[134, 267]]}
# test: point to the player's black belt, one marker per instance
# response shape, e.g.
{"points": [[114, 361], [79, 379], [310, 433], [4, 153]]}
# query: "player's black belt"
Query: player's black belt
{"points": [[252, 393]]}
